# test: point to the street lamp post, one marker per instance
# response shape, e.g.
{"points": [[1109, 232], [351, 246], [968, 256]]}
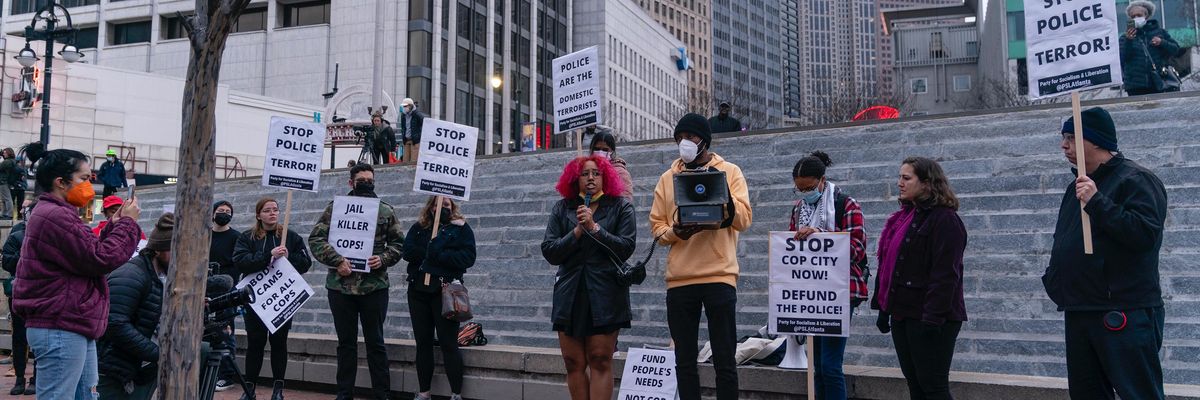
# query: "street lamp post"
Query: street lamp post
{"points": [[27, 57], [515, 136], [497, 81]]}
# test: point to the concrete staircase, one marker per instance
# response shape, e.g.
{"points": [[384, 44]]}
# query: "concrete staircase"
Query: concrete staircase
{"points": [[1006, 168]]}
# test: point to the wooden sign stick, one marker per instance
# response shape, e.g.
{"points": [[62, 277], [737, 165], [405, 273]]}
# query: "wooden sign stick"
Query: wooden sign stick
{"points": [[287, 215], [1081, 168], [437, 221], [810, 349]]}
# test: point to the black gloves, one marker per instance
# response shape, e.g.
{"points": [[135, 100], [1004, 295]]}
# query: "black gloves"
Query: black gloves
{"points": [[884, 322]]}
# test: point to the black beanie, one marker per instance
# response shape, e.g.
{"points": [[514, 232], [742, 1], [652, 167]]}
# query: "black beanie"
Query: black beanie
{"points": [[160, 237], [696, 125], [220, 203], [1098, 128]]}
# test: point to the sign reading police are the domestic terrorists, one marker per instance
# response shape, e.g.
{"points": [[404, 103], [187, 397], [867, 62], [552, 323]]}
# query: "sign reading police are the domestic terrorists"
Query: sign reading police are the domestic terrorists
{"points": [[277, 293], [1071, 45], [649, 375], [577, 90], [352, 229], [446, 162], [809, 284], [294, 150]]}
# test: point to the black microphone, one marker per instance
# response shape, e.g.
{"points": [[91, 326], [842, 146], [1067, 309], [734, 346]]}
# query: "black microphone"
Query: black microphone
{"points": [[218, 285]]}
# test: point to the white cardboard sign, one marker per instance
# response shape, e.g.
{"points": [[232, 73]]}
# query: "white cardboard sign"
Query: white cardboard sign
{"points": [[649, 375], [1071, 45], [294, 150], [446, 162], [577, 90], [809, 284], [352, 229], [277, 293]]}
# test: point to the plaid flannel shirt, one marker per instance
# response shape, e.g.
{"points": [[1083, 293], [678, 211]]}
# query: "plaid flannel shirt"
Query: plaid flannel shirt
{"points": [[853, 223]]}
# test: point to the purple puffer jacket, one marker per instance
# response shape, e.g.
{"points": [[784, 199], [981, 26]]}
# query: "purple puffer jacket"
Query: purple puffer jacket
{"points": [[60, 278]]}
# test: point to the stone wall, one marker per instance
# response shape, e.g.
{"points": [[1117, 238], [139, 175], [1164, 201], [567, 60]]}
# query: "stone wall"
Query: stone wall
{"points": [[1006, 168]]}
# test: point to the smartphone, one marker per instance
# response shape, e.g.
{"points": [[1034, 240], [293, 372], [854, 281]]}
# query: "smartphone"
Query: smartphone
{"points": [[1130, 25], [129, 193]]}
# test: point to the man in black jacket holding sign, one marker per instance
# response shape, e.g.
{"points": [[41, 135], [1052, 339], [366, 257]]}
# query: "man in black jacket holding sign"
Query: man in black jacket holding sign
{"points": [[1112, 298]]}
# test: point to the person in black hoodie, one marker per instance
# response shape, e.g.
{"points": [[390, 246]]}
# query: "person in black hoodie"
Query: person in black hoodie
{"points": [[432, 263], [255, 251], [220, 261], [1112, 299], [128, 351], [20, 345]]}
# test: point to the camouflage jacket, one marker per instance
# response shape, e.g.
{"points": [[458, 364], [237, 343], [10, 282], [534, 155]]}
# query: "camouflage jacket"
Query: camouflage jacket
{"points": [[389, 246]]}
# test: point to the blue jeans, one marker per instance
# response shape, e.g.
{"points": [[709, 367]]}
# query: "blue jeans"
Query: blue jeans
{"points": [[66, 364], [829, 380]]}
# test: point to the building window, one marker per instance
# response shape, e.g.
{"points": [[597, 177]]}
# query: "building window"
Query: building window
{"points": [[132, 32], [86, 37], [251, 21], [962, 83], [303, 13], [918, 86], [419, 54], [420, 10], [172, 28], [28, 6]]}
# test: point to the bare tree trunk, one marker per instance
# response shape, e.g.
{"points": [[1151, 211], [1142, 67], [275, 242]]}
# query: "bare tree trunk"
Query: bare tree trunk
{"points": [[183, 300]]}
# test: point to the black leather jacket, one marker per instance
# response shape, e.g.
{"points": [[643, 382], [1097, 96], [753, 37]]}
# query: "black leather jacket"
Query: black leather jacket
{"points": [[584, 258]]}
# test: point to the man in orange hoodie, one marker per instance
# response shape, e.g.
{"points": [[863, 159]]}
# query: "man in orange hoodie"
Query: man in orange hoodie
{"points": [[702, 266]]}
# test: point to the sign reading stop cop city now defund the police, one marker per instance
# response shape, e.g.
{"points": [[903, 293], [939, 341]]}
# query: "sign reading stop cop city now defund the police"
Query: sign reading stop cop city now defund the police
{"points": [[809, 284], [277, 293], [294, 150], [649, 375], [1072, 45], [446, 162], [577, 90], [352, 229]]}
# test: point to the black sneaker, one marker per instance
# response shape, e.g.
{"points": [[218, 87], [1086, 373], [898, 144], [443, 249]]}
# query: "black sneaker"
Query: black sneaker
{"points": [[225, 384]]}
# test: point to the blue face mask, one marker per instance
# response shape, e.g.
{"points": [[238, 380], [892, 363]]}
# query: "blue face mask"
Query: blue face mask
{"points": [[812, 197]]}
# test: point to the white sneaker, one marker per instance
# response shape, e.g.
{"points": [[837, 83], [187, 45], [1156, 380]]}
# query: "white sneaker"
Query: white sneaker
{"points": [[223, 385], [456, 397]]}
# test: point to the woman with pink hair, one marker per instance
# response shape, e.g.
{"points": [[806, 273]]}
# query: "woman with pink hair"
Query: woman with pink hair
{"points": [[591, 232]]}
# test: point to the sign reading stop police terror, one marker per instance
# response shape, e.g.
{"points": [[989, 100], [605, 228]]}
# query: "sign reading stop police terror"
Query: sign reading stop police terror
{"points": [[352, 229], [809, 284], [577, 90], [649, 375], [446, 162], [294, 150], [1071, 45], [277, 293]]}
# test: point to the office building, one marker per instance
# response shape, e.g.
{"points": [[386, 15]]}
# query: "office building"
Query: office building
{"points": [[747, 61], [691, 22]]}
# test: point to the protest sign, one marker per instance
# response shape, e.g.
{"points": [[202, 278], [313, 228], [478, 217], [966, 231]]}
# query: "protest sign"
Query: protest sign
{"points": [[577, 90], [446, 162], [352, 229], [809, 284], [277, 293], [294, 150], [1071, 46], [649, 375]]}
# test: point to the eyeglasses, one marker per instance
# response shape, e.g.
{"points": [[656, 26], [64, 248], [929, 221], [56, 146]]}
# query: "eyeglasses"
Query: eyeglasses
{"points": [[585, 174]]}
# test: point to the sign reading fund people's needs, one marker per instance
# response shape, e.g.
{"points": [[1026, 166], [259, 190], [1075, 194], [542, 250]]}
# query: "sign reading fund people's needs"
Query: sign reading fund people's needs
{"points": [[446, 162], [649, 375], [294, 150], [1071, 45], [352, 229], [809, 284], [577, 90]]}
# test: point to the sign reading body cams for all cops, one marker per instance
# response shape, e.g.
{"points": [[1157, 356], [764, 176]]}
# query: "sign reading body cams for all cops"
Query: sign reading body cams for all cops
{"points": [[809, 284], [352, 229], [1071, 45], [649, 375], [577, 90], [294, 150], [446, 162], [277, 293]]}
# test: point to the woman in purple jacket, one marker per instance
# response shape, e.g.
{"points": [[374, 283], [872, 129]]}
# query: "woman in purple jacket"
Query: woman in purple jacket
{"points": [[919, 290], [60, 289]]}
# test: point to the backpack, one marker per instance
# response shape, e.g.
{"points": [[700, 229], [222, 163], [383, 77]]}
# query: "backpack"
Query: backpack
{"points": [[471, 334]]}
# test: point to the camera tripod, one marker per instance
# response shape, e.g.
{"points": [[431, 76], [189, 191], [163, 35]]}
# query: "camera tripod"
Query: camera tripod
{"points": [[212, 367]]}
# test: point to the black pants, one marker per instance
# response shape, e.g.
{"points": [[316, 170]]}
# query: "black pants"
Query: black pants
{"points": [[257, 336], [925, 355], [371, 310], [425, 310], [1100, 361], [20, 346], [109, 191], [683, 318]]}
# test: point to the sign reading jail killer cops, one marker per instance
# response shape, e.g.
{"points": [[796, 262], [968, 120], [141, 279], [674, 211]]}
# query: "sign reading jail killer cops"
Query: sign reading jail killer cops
{"points": [[352, 229], [294, 150], [1072, 45], [649, 375], [277, 293], [809, 284], [446, 162], [577, 90]]}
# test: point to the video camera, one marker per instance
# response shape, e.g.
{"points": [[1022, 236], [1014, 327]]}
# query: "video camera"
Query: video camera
{"points": [[221, 307]]}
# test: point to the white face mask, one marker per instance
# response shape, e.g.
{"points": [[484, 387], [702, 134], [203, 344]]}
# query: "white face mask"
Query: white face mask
{"points": [[1139, 22], [603, 154], [688, 150]]}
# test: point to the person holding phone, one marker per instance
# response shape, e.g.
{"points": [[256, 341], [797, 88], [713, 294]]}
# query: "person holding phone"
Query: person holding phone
{"points": [[1146, 49]]}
